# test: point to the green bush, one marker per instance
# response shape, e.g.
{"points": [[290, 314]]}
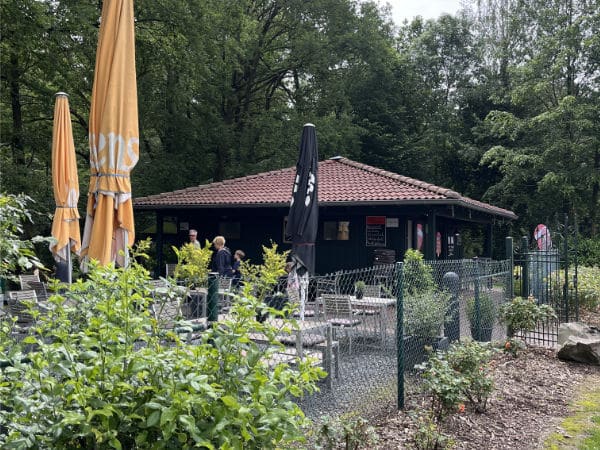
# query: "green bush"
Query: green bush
{"points": [[418, 276], [523, 314], [588, 252], [588, 287], [485, 307], [425, 313], [16, 254], [193, 264], [101, 374]]}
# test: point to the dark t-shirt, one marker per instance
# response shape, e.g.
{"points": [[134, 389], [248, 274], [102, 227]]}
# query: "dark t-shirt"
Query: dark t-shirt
{"points": [[222, 263]]}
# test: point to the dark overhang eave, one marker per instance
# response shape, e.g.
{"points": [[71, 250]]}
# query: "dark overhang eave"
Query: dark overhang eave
{"points": [[458, 202]]}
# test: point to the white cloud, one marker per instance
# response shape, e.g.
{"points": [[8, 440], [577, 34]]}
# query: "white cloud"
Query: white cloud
{"points": [[428, 9]]}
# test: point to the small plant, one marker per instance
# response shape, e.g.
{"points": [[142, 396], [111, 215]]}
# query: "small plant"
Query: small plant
{"points": [[471, 359], [481, 313], [349, 432], [359, 288], [523, 314], [512, 347], [445, 385], [428, 435], [193, 264], [418, 276], [425, 313]]}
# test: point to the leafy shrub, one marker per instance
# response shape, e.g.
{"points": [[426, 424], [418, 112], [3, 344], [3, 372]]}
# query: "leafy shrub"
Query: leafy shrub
{"points": [[350, 432], [193, 263], [425, 313], [588, 252], [16, 254], [485, 308], [471, 360], [418, 276], [458, 375], [523, 314], [588, 287], [101, 374]]}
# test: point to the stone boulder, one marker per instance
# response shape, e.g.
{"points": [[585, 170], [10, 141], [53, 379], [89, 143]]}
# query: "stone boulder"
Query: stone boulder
{"points": [[579, 342]]}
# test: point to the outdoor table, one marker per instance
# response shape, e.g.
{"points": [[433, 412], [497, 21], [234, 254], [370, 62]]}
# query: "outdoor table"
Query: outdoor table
{"points": [[379, 304]]}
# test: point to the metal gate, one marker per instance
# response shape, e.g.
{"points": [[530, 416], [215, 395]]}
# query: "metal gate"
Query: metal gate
{"points": [[549, 275]]}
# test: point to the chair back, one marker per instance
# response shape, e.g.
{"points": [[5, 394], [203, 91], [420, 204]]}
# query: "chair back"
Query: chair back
{"points": [[326, 286], [225, 283], [25, 279], [19, 303], [40, 290], [337, 306]]}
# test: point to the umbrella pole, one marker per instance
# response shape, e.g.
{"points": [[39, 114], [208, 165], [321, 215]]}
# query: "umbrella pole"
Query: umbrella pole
{"points": [[69, 265]]}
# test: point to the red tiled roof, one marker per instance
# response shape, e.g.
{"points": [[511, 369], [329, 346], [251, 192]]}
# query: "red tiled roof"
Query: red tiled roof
{"points": [[341, 181]]}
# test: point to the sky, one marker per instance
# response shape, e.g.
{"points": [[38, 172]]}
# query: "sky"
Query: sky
{"points": [[428, 9]]}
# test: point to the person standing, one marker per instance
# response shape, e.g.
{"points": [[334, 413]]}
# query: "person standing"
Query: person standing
{"points": [[222, 260], [237, 261], [193, 235]]}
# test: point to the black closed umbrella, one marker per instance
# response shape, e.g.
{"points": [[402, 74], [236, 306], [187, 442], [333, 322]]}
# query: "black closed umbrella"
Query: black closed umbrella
{"points": [[303, 218]]}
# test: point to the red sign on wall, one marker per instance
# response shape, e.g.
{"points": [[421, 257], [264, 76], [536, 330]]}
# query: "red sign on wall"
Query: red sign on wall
{"points": [[375, 231]]}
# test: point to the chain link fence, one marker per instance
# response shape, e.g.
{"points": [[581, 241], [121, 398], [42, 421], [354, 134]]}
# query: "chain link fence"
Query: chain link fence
{"points": [[439, 302]]}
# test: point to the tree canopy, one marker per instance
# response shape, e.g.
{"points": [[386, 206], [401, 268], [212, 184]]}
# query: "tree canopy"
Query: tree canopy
{"points": [[499, 102]]}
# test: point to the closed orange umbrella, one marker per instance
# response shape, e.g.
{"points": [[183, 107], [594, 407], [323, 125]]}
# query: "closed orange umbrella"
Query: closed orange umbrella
{"points": [[65, 226], [114, 139]]}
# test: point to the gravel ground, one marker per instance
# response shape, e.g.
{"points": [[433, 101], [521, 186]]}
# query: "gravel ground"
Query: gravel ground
{"points": [[531, 397]]}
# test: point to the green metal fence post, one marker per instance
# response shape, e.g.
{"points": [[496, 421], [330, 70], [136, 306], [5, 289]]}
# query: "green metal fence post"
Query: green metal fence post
{"points": [[477, 300], [566, 283], [212, 300], [525, 269], [510, 288], [400, 332]]}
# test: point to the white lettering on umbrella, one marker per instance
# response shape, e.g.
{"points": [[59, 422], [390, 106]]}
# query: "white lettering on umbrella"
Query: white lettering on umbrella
{"points": [[310, 188], [117, 152], [296, 181]]}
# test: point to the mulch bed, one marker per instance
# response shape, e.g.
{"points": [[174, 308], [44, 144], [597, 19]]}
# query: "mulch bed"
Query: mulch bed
{"points": [[532, 394]]}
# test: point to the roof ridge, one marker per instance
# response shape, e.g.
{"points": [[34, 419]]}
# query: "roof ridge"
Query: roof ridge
{"points": [[408, 180]]}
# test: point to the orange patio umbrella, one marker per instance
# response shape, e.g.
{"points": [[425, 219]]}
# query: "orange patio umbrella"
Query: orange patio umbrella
{"points": [[114, 139], [65, 226]]}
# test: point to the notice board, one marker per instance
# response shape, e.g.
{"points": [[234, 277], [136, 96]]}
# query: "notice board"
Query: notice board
{"points": [[375, 231]]}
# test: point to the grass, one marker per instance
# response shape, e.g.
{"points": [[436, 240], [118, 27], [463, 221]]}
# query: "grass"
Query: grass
{"points": [[581, 430]]}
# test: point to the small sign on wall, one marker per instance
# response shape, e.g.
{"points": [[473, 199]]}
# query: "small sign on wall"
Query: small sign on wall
{"points": [[392, 222], [375, 231]]}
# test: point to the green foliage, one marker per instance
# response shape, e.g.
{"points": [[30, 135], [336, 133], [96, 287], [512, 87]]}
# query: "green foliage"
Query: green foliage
{"points": [[260, 279], [428, 435], [418, 276], [588, 252], [444, 384], [349, 432], [17, 254], [458, 375], [359, 288], [425, 308], [425, 313], [99, 373], [193, 263], [523, 314], [471, 359], [513, 347], [481, 310], [588, 287]]}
